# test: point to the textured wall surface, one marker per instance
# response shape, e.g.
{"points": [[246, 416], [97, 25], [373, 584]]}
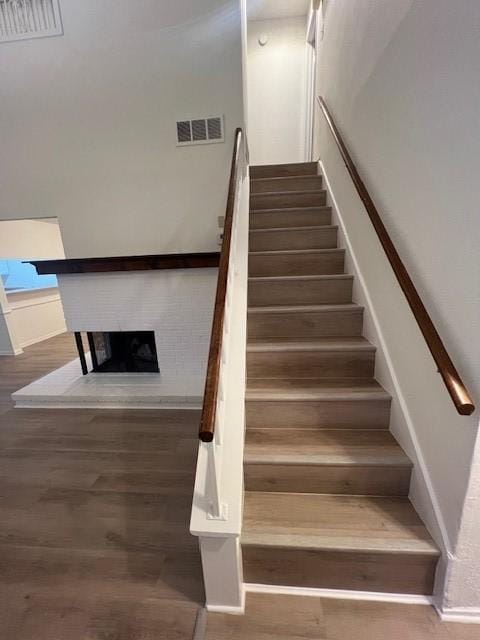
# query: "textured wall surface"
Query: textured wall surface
{"points": [[88, 124], [277, 90], [29, 239], [401, 80]]}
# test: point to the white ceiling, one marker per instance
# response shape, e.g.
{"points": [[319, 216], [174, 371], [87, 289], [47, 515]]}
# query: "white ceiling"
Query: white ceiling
{"points": [[267, 9]]}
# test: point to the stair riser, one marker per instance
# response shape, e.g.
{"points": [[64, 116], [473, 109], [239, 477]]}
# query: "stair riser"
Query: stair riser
{"points": [[334, 479], [300, 183], [284, 292], [357, 571], [307, 325], [290, 200], [296, 264], [310, 364], [318, 414], [281, 170], [285, 240], [290, 218]]}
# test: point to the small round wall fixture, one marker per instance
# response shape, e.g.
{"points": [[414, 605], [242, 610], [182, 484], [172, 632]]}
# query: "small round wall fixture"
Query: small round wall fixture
{"points": [[263, 39]]}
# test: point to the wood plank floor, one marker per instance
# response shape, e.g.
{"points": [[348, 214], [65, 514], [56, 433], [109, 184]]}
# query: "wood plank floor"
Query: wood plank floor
{"points": [[282, 617], [94, 516]]}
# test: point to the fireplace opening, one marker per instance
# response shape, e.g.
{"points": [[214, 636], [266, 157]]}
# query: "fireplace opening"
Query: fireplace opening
{"points": [[123, 352]]}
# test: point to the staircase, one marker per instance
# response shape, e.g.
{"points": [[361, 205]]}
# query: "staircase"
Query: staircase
{"points": [[326, 484]]}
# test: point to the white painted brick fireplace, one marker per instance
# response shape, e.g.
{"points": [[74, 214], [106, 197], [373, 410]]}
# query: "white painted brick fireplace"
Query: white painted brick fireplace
{"points": [[176, 304]]}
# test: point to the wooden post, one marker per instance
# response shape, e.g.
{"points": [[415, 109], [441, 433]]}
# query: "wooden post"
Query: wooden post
{"points": [[81, 352], [93, 353]]}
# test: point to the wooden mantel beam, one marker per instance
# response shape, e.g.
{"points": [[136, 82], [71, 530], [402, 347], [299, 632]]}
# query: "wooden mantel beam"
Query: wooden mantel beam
{"points": [[127, 263]]}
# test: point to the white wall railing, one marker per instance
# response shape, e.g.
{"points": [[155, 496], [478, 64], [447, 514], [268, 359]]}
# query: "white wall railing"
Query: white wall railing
{"points": [[218, 496]]}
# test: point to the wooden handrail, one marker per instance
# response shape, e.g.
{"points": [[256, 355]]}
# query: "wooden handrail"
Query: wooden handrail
{"points": [[207, 421], [456, 388]]}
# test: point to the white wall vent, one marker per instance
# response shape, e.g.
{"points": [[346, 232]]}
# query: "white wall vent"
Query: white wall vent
{"points": [[25, 19], [200, 131]]}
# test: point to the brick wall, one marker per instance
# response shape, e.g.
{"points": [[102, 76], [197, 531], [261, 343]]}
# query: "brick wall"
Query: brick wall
{"points": [[176, 304]]}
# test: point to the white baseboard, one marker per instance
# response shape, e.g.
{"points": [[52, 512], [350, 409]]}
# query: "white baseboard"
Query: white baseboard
{"points": [[15, 352], [340, 594], [236, 611], [467, 615], [445, 542], [52, 334]]}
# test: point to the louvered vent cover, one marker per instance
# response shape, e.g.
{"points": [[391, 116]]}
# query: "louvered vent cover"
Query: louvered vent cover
{"points": [[200, 131], [25, 19]]}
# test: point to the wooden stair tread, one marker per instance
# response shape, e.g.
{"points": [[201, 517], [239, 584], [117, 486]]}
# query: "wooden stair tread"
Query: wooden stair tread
{"points": [[285, 183], [290, 238], [296, 262], [387, 525], [295, 252], [315, 389], [324, 447], [312, 209], [281, 178], [326, 483], [296, 192], [304, 216], [321, 227], [342, 343], [305, 308], [284, 169], [305, 278], [290, 316]]}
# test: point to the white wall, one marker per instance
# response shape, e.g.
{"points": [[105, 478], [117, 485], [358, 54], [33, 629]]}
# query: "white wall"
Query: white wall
{"points": [[9, 343], [277, 90], [27, 317], [88, 124], [6, 346], [29, 239], [36, 315], [406, 98]]}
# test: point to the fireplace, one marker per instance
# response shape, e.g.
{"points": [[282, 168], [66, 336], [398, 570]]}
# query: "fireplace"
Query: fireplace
{"points": [[123, 351], [168, 312]]}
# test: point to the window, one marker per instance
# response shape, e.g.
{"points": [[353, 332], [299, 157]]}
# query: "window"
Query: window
{"points": [[17, 276]]}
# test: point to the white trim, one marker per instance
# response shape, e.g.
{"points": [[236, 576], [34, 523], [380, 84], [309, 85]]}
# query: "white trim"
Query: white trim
{"points": [[467, 615], [235, 611], [408, 419], [341, 594], [15, 352], [33, 302], [46, 336], [35, 404], [310, 79], [14, 292], [311, 25]]}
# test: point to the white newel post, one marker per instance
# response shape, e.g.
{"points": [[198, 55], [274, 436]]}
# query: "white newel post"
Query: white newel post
{"points": [[222, 573]]}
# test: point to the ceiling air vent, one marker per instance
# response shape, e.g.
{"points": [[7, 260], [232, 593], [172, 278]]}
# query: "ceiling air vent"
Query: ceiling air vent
{"points": [[25, 19], [200, 131]]}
